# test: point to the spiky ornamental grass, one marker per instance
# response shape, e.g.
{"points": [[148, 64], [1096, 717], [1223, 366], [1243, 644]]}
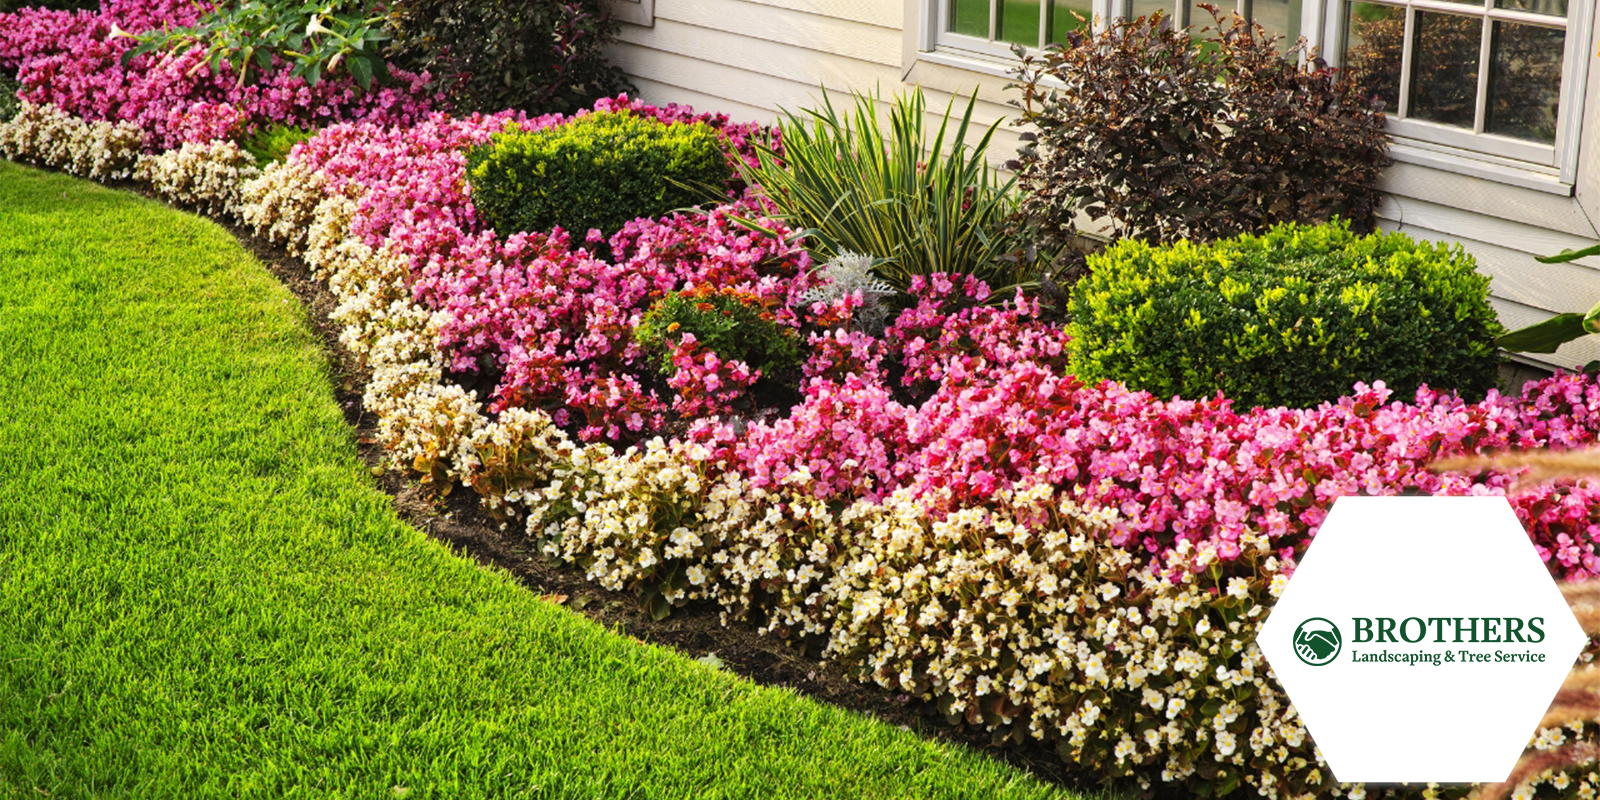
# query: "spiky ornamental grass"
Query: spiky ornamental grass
{"points": [[201, 594], [924, 205]]}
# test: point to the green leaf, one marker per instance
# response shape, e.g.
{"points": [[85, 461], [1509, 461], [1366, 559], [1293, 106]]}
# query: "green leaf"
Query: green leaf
{"points": [[1546, 336], [1570, 255], [658, 607], [361, 68]]}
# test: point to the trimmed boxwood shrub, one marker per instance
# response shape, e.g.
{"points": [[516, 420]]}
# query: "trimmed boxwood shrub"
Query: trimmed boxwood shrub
{"points": [[1293, 317], [600, 170]]}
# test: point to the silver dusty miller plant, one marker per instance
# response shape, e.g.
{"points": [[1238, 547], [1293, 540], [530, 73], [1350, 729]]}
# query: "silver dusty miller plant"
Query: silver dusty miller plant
{"points": [[848, 273]]}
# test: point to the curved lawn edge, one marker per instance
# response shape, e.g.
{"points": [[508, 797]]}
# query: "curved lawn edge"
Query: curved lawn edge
{"points": [[202, 594]]}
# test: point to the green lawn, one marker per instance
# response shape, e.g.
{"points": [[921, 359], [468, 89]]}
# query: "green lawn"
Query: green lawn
{"points": [[202, 595]]}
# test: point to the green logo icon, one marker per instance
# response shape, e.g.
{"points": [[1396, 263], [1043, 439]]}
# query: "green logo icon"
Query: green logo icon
{"points": [[1317, 641]]}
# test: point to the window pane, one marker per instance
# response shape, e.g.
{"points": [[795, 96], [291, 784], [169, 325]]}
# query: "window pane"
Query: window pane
{"points": [[1444, 68], [1019, 22], [1144, 8], [1556, 8], [1525, 81], [970, 17], [1063, 22], [1374, 36], [1200, 18], [1281, 17]]}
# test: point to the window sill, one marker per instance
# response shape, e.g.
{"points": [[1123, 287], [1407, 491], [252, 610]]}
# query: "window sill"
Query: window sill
{"points": [[1527, 177], [971, 62]]}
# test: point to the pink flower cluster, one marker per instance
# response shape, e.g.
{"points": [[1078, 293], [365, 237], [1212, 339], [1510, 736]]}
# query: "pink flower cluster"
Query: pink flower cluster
{"points": [[706, 384], [1002, 411], [549, 318], [553, 318], [73, 61]]}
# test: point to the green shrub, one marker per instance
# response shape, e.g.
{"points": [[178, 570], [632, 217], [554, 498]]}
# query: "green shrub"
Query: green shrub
{"points": [[1292, 317], [273, 143], [540, 56], [598, 171], [1163, 135], [920, 205], [730, 323], [10, 103]]}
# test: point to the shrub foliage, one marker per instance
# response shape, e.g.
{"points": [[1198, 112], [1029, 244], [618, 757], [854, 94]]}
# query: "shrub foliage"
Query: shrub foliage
{"points": [[1293, 317], [1170, 137], [598, 171], [539, 56], [728, 322]]}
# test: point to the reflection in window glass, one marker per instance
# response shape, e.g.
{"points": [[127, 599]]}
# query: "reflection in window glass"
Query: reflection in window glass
{"points": [[1063, 22], [1525, 81], [1144, 8], [1555, 8], [1374, 38], [970, 17], [1019, 22], [1199, 18], [1280, 17], [1444, 68]]}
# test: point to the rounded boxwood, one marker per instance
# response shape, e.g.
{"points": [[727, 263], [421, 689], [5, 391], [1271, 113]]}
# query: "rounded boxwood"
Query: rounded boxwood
{"points": [[1293, 317], [599, 170]]}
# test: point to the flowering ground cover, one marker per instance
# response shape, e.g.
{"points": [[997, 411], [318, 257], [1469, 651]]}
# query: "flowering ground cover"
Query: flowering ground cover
{"points": [[203, 596]]}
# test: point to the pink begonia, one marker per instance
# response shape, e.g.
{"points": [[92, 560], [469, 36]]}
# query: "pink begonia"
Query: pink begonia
{"points": [[546, 313], [73, 61], [706, 384], [1003, 411]]}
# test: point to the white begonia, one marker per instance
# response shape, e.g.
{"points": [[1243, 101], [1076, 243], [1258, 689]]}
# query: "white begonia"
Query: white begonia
{"points": [[1238, 588], [207, 176]]}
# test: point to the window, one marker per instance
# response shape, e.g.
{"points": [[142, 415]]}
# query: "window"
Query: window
{"points": [[1484, 75], [1496, 82], [992, 26]]}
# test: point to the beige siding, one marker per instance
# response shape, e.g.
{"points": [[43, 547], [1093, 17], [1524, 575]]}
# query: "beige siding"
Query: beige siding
{"points": [[749, 58], [754, 57]]}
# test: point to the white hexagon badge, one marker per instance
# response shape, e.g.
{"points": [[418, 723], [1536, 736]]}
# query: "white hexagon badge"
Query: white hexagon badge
{"points": [[1421, 639]]}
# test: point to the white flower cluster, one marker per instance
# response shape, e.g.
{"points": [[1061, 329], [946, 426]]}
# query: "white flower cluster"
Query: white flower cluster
{"points": [[1016, 616], [281, 203], [209, 177], [851, 273], [47, 136], [424, 424]]}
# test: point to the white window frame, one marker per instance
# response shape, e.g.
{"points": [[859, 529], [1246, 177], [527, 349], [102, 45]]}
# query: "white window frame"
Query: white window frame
{"points": [[637, 12], [1551, 168], [1558, 160]]}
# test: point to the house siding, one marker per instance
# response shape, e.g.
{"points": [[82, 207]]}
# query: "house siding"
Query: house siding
{"points": [[751, 58]]}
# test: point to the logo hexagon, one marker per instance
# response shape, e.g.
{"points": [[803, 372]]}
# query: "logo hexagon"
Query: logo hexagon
{"points": [[1421, 639]]}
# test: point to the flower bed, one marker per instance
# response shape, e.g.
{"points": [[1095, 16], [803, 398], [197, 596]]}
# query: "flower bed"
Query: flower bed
{"points": [[944, 507]]}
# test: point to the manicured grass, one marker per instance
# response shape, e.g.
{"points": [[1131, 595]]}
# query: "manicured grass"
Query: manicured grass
{"points": [[201, 594]]}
